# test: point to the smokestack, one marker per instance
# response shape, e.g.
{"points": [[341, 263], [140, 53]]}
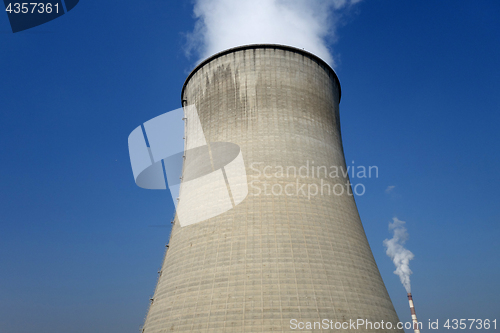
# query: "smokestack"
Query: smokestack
{"points": [[413, 314]]}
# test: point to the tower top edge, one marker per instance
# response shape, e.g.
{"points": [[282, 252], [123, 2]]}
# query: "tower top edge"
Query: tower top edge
{"points": [[260, 46]]}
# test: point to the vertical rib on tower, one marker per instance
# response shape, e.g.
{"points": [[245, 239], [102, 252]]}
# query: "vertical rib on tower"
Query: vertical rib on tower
{"points": [[274, 257]]}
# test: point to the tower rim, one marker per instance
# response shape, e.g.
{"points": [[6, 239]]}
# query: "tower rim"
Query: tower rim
{"points": [[260, 46]]}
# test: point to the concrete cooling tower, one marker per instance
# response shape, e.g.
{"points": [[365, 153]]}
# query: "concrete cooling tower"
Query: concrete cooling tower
{"points": [[292, 251]]}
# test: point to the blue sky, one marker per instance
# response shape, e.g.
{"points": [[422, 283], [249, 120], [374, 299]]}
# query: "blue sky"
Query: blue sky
{"points": [[80, 243]]}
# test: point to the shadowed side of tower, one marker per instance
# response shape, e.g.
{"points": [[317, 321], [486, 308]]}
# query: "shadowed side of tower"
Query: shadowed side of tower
{"points": [[278, 255]]}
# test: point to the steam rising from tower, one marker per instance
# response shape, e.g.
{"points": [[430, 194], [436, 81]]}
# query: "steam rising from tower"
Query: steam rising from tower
{"points": [[305, 24]]}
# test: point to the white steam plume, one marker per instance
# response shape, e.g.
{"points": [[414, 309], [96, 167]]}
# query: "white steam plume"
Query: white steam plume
{"points": [[397, 252], [305, 24]]}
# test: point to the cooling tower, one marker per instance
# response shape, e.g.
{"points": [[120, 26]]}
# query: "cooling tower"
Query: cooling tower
{"points": [[282, 256]]}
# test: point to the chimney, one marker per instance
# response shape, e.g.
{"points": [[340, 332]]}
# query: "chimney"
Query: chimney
{"points": [[413, 314]]}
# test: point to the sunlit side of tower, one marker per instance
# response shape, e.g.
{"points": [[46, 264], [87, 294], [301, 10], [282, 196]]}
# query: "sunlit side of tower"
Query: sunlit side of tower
{"points": [[276, 256]]}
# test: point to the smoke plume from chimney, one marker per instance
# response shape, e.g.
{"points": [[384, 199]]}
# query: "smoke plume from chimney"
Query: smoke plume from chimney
{"points": [[305, 24], [397, 252]]}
